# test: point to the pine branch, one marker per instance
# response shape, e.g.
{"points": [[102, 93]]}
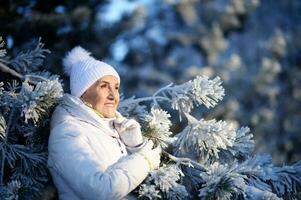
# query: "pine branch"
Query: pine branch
{"points": [[199, 91], [10, 121], [164, 183], [184, 161], [142, 99], [25, 78], [6, 69], [30, 60], [23, 160]]}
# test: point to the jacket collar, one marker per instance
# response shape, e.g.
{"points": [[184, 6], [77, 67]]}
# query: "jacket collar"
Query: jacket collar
{"points": [[79, 110]]}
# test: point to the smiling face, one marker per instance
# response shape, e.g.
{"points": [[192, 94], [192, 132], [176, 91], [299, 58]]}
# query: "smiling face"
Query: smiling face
{"points": [[103, 95]]}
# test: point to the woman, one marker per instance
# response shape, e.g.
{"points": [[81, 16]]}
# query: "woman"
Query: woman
{"points": [[94, 152]]}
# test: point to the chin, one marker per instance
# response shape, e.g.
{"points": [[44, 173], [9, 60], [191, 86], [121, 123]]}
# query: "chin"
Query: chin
{"points": [[109, 115]]}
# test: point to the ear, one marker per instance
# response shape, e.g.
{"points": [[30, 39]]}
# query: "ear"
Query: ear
{"points": [[84, 100]]}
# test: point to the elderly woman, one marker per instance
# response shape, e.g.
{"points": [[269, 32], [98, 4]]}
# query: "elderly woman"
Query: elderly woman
{"points": [[94, 152]]}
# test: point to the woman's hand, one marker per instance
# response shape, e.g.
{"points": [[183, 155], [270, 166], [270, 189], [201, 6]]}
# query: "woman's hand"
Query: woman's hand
{"points": [[151, 155], [129, 130]]}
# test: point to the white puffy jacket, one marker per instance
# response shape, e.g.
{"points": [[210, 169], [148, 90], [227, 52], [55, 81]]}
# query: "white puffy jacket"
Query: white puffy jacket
{"points": [[87, 160]]}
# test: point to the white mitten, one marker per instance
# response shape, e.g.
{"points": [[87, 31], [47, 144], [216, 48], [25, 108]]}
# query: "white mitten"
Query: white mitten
{"points": [[129, 131], [152, 156], [148, 146]]}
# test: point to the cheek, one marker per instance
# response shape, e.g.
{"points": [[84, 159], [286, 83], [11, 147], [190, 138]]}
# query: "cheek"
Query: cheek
{"points": [[99, 99], [117, 97]]}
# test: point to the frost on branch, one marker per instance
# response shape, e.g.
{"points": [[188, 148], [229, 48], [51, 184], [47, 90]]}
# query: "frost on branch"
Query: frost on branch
{"points": [[255, 178], [37, 99], [283, 181], [205, 141], [221, 183], [129, 108], [183, 98], [29, 60], [200, 91], [208, 159], [158, 128], [241, 149], [163, 184]]}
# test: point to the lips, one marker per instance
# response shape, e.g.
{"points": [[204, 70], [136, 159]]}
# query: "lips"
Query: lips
{"points": [[110, 104]]}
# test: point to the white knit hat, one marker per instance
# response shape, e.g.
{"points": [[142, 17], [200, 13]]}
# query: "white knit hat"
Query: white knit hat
{"points": [[84, 70]]}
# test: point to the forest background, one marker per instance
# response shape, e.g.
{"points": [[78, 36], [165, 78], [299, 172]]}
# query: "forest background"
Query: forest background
{"points": [[253, 45]]}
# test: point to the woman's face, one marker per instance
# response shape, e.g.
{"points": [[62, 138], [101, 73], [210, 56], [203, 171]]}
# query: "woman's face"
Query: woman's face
{"points": [[103, 95]]}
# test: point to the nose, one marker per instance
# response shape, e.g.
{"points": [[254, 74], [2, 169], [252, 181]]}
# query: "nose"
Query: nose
{"points": [[111, 95]]}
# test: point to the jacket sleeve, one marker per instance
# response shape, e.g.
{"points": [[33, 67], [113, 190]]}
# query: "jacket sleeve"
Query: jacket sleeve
{"points": [[71, 157]]}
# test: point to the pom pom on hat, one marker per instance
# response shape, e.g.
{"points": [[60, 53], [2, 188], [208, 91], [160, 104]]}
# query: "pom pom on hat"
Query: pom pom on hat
{"points": [[77, 54], [84, 70]]}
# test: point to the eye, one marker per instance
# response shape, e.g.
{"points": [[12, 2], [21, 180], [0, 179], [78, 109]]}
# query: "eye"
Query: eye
{"points": [[117, 88], [103, 85]]}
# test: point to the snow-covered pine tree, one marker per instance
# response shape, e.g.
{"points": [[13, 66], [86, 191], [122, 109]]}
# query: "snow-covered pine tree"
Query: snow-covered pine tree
{"points": [[25, 106], [208, 159]]}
